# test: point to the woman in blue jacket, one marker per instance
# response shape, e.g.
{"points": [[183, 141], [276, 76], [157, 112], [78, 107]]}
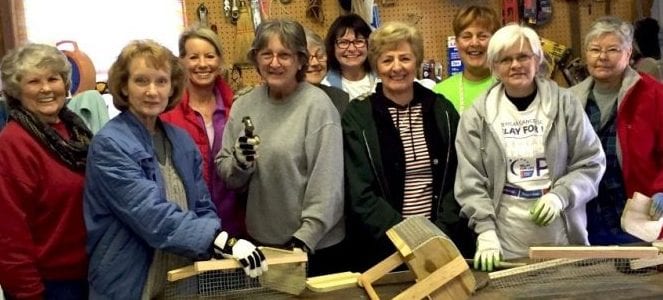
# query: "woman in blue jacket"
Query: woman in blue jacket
{"points": [[146, 206]]}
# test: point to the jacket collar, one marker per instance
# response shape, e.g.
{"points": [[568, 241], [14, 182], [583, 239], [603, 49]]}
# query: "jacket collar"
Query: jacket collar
{"points": [[136, 127], [629, 79], [222, 88], [547, 91]]}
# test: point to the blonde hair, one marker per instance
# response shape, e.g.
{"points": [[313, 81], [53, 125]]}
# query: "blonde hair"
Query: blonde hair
{"points": [[389, 36], [200, 32]]}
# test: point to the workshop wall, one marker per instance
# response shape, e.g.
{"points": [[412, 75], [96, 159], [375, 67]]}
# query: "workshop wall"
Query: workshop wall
{"points": [[570, 21]]}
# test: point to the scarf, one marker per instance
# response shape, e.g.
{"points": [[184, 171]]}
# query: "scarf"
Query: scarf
{"points": [[72, 152]]}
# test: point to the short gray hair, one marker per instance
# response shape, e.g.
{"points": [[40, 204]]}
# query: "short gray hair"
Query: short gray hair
{"points": [[292, 36], [610, 24], [314, 40], [510, 35], [201, 32], [30, 58]]}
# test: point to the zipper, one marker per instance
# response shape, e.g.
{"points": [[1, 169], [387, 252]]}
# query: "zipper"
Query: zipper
{"points": [[370, 158], [446, 165]]}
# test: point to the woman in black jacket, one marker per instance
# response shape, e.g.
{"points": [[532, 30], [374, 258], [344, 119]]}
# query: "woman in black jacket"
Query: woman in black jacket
{"points": [[400, 159]]}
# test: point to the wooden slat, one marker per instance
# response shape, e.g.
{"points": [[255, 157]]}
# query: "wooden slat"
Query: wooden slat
{"points": [[436, 280], [502, 264], [589, 252], [399, 243], [229, 264], [646, 262], [331, 282], [396, 277], [532, 267], [181, 273], [273, 256], [376, 272]]}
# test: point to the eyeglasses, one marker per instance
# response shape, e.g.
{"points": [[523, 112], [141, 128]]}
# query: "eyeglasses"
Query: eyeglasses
{"points": [[321, 57], [344, 44], [282, 57], [595, 52], [521, 58]]}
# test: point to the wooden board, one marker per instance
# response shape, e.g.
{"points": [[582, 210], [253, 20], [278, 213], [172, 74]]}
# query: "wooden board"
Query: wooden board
{"points": [[273, 256], [531, 267], [332, 282], [287, 276], [642, 263], [446, 282], [441, 253], [367, 278]]}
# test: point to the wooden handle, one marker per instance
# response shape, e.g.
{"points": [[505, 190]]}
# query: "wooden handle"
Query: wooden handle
{"points": [[73, 44]]}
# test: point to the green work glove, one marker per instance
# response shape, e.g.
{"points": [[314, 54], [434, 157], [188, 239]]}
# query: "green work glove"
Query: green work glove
{"points": [[546, 209], [489, 251]]}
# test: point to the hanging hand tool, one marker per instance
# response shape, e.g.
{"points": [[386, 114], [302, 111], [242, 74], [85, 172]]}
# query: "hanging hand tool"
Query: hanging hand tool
{"points": [[314, 11], [202, 14], [234, 12], [255, 13], [226, 8]]}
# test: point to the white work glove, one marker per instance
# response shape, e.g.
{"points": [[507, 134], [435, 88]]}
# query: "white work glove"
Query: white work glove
{"points": [[489, 251], [656, 208], [245, 151], [251, 258], [546, 209], [637, 221]]}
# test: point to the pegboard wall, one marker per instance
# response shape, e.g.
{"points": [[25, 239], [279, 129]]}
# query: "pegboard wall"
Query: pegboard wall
{"points": [[432, 17]]}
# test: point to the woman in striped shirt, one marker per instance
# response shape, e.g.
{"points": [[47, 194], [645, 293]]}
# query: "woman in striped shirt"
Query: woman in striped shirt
{"points": [[399, 154]]}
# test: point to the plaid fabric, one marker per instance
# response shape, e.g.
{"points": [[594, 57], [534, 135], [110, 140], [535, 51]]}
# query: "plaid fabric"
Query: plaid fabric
{"points": [[604, 212]]}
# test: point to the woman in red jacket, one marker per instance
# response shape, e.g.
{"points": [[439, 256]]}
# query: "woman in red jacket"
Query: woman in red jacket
{"points": [[42, 169], [203, 113], [625, 108]]}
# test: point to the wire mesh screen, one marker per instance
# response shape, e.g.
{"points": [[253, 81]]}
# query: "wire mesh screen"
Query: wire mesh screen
{"points": [[221, 284], [414, 232], [551, 279], [225, 278]]}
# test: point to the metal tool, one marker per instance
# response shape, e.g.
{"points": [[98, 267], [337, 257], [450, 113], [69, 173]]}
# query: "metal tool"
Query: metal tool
{"points": [[202, 14], [248, 126], [255, 13], [226, 8], [234, 12]]}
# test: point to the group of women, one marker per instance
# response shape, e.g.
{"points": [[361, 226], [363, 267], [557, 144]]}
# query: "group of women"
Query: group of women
{"points": [[185, 173]]}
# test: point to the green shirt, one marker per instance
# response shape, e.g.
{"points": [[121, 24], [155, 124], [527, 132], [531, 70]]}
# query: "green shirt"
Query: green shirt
{"points": [[451, 89]]}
